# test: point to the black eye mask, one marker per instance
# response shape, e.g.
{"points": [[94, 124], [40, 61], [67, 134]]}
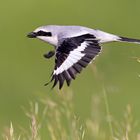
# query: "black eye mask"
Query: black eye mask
{"points": [[43, 33]]}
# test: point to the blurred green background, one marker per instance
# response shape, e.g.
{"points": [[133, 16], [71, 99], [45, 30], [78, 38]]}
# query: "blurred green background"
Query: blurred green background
{"points": [[24, 71]]}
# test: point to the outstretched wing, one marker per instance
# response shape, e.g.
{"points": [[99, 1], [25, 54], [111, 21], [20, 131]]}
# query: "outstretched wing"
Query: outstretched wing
{"points": [[72, 55]]}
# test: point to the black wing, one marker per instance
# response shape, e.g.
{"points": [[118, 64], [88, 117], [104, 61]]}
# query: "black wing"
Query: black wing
{"points": [[72, 55]]}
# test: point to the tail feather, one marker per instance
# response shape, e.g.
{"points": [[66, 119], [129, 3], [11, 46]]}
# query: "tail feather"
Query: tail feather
{"points": [[131, 40]]}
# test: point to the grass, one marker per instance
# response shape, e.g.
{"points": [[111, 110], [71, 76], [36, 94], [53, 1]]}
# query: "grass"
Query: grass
{"points": [[58, 120], [55, 119]]}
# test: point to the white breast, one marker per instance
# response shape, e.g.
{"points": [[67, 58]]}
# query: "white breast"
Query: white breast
{"points": [[51, 40]]}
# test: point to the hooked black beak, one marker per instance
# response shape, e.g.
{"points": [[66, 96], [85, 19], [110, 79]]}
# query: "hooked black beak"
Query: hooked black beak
{"points": [[32, 35]]}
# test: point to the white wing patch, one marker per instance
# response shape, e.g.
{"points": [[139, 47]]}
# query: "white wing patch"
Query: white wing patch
{"points": [[72, 55], [73, 58]]}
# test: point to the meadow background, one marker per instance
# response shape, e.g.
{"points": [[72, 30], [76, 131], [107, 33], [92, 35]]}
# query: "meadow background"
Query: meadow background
{"points": [[24, 71]]}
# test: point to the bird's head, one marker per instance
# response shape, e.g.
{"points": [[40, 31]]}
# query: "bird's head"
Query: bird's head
{"points": [[44, 34]]}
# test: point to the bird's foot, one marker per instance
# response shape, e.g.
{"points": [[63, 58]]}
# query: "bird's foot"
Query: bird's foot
{"points": [[49, 54]]}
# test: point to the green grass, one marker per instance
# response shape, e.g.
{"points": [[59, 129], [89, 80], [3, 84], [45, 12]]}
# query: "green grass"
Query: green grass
{"points": [[58, 120]]}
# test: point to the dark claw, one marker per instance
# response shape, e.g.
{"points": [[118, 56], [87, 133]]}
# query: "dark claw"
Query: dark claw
{"points": [[49, 54]]}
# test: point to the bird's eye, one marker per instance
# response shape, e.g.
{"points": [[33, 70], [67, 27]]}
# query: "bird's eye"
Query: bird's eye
{"points": [[43, 33]]}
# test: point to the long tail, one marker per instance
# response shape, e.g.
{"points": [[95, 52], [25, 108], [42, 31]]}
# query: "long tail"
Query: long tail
{"points": [[131, 40], [105, 37]]}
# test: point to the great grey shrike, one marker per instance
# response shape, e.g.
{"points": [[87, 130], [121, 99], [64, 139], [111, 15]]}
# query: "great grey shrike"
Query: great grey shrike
{"points": [[75, 47]]}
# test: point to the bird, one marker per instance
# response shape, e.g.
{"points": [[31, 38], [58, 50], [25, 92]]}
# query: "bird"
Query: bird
{"points": [[74, 48]]}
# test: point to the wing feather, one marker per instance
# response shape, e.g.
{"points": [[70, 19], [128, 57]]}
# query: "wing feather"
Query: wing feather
{"points": [[72, 55]]}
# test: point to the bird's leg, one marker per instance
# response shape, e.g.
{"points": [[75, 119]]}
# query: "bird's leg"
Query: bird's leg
{"points": [[49, 54]]}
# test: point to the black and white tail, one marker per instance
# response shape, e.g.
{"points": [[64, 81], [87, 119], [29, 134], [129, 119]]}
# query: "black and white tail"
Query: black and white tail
{"points": [[131, 40], [105, 37]]}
